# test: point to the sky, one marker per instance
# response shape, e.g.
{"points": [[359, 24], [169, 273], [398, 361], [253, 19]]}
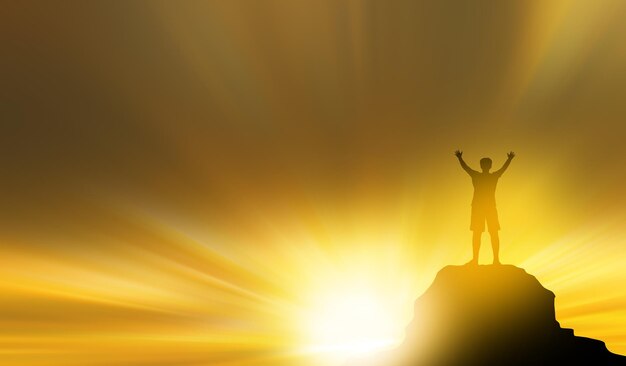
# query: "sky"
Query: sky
{"points": [[273, 182]]}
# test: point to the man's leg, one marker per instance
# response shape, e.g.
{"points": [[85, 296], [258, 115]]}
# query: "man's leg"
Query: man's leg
{"points": [[495, 246], [475, 246], [494, 225]]}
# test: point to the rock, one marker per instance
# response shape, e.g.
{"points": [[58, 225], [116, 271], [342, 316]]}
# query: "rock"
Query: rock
{"points": [[490, 315]]}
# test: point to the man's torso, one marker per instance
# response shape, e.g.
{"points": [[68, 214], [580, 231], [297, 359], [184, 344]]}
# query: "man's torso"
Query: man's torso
{"points": [[484, 188]]}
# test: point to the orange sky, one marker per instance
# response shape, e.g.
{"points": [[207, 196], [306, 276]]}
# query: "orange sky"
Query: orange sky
{"points": [[190, 177]]}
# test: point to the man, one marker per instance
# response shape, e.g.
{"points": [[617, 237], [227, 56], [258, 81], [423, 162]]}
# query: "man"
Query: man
{"points": [[484, 203]]}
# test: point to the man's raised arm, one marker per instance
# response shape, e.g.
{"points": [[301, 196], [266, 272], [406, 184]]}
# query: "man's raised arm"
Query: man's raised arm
{"points": [[470, 171], [510, 157]]}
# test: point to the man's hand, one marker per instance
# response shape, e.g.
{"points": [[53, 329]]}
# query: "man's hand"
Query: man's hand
{"points": [[470, 171], [510, 155]]}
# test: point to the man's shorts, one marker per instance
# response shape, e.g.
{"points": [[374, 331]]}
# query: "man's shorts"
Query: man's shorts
{"points": [[482, 213]]}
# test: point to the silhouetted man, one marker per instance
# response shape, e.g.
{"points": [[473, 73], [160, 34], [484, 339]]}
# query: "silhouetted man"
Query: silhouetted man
{"points": [[484, 203]]}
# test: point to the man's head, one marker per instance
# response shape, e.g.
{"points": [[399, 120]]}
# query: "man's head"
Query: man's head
{"points": [[485, 164]]}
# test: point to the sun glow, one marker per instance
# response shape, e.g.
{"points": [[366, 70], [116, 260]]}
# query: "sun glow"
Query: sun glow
{"points": [[234, 183], [351, 321]]}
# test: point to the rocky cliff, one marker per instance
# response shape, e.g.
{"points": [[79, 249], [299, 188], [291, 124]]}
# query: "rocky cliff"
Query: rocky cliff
{"points": [[490, 315]]}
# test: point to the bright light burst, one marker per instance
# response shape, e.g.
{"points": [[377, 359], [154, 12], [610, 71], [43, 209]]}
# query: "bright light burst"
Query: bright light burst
{"points": [[352, 321], [272, 183]]}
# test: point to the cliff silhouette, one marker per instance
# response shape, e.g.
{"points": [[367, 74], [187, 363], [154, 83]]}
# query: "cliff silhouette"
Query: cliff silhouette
{"points": [[490, 315]]}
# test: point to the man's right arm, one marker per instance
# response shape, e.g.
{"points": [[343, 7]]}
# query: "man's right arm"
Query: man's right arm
{"points": [[459, 155]]}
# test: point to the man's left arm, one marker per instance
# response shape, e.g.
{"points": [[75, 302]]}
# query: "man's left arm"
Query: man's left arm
{"points": [[510, 157]]}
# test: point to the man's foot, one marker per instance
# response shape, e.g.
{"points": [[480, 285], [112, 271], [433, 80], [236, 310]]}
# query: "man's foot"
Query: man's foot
{"points": [[473, 262], [496, 262]]}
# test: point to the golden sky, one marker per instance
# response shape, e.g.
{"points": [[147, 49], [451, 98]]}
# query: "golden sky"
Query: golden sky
{"points": [[273, 182]]}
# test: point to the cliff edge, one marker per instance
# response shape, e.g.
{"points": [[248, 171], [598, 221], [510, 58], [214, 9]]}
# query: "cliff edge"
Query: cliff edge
{"points": [[490, 315]]}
